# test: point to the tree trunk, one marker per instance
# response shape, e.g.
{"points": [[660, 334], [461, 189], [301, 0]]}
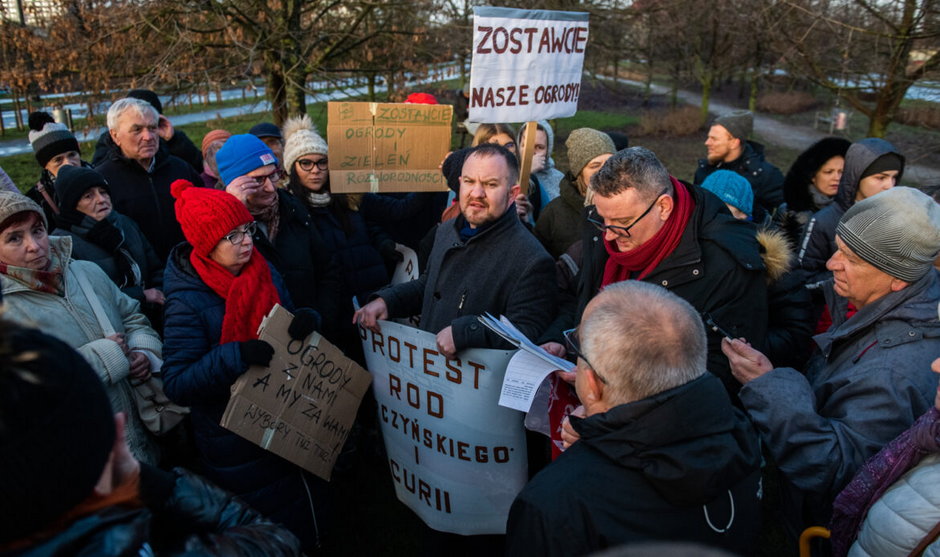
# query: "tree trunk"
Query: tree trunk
{"points": [[706, 82], [752, 98], [372, 78], [276, 88], [296, 92]]}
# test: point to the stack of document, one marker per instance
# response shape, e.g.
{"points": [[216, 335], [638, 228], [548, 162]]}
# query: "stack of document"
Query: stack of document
{"points": [[527, 369]]}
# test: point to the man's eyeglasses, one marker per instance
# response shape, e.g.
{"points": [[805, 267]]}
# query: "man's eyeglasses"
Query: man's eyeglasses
{"points": [[573, 340], [622, 231], [273, 176], [307, 165], [238, 235]]}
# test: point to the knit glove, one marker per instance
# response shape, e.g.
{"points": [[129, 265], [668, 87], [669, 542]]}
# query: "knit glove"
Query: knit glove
{"points": [[305, 322], [256, 352], [389, 253]]}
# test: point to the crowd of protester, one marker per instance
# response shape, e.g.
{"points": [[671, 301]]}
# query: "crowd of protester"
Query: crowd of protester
{"points": [[751, 336]]}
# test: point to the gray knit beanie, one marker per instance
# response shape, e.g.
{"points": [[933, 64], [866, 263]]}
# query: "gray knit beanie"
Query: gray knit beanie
{"points": [[12, 202], [583, 145], [739, 123], [897, 231]]}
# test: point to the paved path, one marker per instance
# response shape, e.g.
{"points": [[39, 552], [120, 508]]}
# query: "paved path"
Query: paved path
{"points": [[779, 133]]}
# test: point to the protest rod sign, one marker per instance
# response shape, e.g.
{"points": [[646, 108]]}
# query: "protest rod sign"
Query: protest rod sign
{"points": [[457, 458], [387, 147], [302, 406]]}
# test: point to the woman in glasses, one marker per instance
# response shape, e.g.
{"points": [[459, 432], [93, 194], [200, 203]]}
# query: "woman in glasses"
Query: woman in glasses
{"points": [[365, 253], [284, 233], [218, 290]]}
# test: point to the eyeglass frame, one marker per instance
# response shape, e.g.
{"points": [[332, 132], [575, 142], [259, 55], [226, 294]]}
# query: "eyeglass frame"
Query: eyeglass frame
{"points": [[260, 180], [249, 231], [623, 231], [572, 339], [325, 162]]}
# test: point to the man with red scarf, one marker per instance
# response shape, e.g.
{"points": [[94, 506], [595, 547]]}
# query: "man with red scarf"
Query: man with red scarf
{"points": [[648, 226]]}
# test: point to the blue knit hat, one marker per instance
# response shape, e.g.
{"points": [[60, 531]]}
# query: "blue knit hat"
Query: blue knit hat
{"points": [[240, 155], [732, 188]]}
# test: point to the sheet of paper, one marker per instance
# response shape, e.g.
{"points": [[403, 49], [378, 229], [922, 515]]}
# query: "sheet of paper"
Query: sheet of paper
{"points": [[524, 374]]}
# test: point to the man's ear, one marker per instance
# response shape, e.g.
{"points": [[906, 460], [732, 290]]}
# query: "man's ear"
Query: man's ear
{"points": [[897, 284], [666, 205], [593, 396], [514, 192], [113, 136]]}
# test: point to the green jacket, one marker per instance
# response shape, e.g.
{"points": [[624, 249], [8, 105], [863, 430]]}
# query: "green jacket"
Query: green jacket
{"points": [[560, 223]]}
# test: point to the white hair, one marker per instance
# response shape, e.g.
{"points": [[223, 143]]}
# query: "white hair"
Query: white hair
{"points": [[643, 339], [120, 106]]}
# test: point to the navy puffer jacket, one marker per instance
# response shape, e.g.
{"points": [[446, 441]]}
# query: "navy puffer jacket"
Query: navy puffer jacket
{"points": [[198, 372]]}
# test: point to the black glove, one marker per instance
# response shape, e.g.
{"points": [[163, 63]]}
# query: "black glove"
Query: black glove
{"points": [[305, 322], [256, 352], [389, 253]]}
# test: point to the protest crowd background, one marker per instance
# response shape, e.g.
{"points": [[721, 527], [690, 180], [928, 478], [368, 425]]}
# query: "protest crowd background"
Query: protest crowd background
{"points": [[405, 328]]}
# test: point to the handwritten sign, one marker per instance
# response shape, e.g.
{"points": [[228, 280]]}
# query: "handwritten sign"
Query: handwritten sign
{"points": [[302, 406], [457, 458], [387, 147], [526, 64]]}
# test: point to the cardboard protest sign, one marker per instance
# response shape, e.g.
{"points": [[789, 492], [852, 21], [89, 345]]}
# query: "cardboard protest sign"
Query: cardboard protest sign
{"points": [[526, 64], [406, 271], [387, 147], [302, 406], [457, 458]]}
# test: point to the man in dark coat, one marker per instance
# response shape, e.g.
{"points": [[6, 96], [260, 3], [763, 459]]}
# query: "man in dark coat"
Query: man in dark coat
{"points": [[485, 260], [662, 454], [175, 140], [649, 226], [729, 149], [140, 172]]}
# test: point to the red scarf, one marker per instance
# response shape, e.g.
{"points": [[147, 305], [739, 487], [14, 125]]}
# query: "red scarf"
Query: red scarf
{"points": [[248, 296], [645, 258]]}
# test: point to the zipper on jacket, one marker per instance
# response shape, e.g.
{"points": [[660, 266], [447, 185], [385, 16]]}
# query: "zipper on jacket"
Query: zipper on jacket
{"points": [[463, 298]]}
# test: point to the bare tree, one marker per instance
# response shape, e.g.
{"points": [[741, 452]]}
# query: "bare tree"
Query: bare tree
{"points": [[868, 53]]}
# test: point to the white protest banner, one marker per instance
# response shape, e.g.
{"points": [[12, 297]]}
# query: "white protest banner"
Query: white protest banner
{"points": [[526, 64], [302, 406], [405, 271], [457, 458]]}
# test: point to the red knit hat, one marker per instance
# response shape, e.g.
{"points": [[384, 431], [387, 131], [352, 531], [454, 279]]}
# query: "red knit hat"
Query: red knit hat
{"points": [[207, 215]]}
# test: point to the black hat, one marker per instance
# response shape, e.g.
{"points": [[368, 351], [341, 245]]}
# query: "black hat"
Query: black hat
{"points": [[73, 181], [149, 96], [56, 430], [49, 138], [453, 168], [266, 129]]}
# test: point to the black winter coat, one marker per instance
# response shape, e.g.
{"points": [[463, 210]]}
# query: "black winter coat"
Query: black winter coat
{"points": [[305, 262], [198, 372], [406, 217], [145, 197], [355, 244], [501, 270], [766, 179], [183, 515], [716, 267], [683, 465], [140, 250], [559, 225], [179, 146]]}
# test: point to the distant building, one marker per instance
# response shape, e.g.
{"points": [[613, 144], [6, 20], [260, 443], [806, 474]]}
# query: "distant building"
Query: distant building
{"points": [[30, 12]]}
